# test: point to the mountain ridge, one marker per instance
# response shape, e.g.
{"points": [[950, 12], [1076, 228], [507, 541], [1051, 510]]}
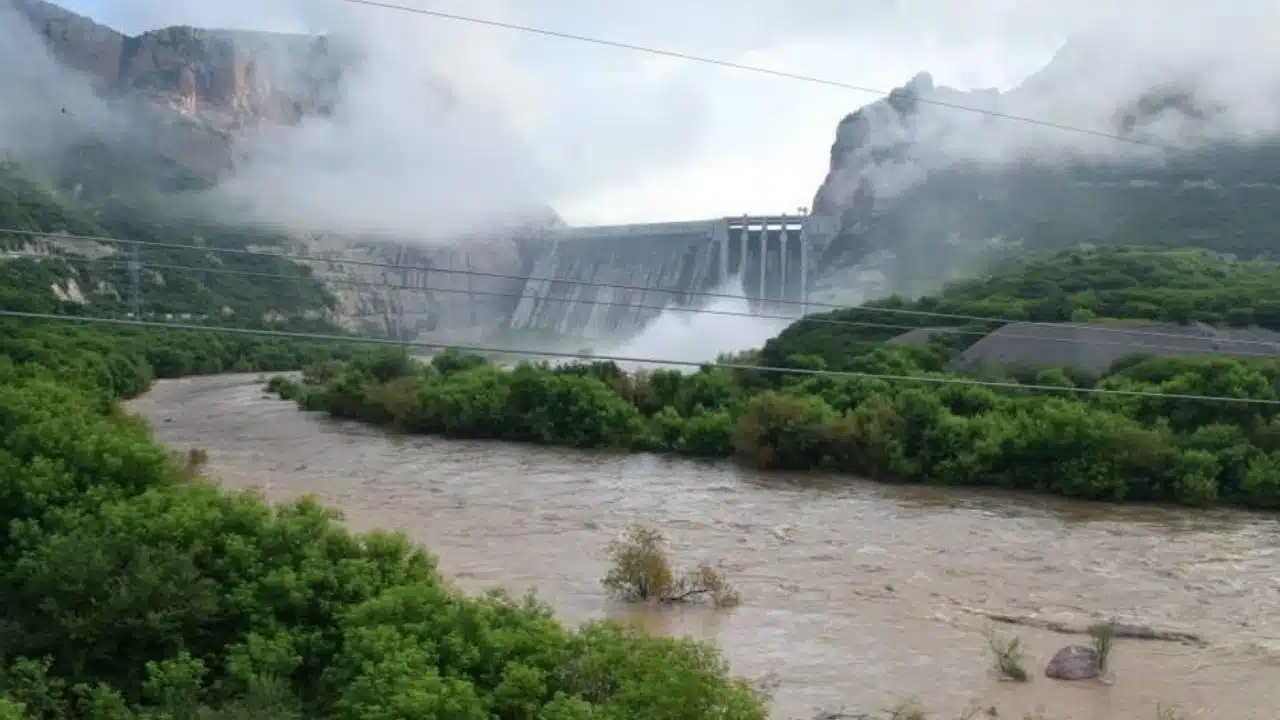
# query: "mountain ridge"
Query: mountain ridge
{"points": [[923, 191]]}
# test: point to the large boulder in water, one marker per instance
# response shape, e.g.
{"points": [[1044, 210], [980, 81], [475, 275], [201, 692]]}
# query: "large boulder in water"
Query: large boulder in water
{"points": [[1074, 662]]}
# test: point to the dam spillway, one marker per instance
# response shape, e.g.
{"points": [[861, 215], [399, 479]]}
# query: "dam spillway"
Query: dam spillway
{"points": [[596, 282], [612, 280]]}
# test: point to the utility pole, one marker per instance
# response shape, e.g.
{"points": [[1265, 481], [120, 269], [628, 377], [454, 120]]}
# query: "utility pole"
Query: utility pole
{"points": [[135, 282]]}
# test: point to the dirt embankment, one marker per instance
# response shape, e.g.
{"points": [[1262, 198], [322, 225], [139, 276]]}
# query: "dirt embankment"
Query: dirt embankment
{"points": [[1095, 347]]}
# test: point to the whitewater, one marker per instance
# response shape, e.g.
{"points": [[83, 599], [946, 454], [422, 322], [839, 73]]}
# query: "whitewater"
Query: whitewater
{"points": [[681, 336]]}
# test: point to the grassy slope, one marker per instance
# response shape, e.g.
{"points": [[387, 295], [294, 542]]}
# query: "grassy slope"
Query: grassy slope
{"points": [[1107, 285]]}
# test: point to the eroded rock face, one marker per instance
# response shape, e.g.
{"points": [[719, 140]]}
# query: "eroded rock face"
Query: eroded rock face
{"points": [[396, 290], [76, 41], [874, 135], [920, 171], [197, 87], [248, 76], [1074, 662]]}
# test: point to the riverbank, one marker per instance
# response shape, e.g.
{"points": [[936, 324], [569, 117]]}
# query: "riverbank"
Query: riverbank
{"points": [[136, 589], [1139, 447], [855, 594], [113, 522]]}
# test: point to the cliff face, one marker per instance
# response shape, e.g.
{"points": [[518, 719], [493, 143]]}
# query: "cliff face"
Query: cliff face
{"points": [[924, 192], [197, 87], [77, 42], [247, 77], [878, 135]]}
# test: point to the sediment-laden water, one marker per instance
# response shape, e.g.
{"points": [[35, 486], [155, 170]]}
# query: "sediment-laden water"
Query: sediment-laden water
{"points": [[854, 594]]}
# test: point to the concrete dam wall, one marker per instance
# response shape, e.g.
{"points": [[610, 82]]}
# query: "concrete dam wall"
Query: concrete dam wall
{"points": [[611, 281], [584, 283]]}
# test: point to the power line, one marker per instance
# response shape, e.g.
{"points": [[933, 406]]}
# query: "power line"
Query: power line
{"points": [[928, 379], [373, 284], [745, 68], [615, 286], [659, 308]]}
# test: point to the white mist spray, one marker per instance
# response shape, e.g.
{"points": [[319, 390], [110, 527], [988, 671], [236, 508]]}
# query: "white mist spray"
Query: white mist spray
{"points": [[683, 336]]}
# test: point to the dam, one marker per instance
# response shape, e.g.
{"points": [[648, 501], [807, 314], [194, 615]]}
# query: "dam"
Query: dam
{"points": [[610, 280], [601, 282]]}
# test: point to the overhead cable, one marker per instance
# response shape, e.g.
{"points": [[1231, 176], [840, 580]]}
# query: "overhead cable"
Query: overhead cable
{"points": [[926, 379], [808, 319], [576, 37], [398, 267]]}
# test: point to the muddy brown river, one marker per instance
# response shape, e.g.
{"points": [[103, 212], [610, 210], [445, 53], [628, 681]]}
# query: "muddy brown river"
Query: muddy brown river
{"points": [[854, 594]]}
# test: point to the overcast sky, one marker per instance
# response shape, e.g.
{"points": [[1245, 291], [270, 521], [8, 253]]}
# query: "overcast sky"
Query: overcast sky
{"points": [[648, 138]]}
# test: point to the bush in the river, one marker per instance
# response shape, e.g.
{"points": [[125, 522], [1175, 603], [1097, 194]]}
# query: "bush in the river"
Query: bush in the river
{"points": [[1098, 447], [1103, 635], [1008, 657], [284, 387], [132, 592], [641, 571]]}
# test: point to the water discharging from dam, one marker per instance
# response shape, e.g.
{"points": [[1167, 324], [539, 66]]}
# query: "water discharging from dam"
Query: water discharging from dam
{"points": [[700, 337], [595, 273]]}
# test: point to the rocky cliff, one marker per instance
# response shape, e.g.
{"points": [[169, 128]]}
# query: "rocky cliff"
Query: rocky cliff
{"points": [[925, 191], [195, 87]]}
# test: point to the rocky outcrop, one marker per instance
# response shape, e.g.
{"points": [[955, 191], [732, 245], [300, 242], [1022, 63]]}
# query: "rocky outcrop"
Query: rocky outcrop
{"points": [[415, 292], [878, 134], [1074, 662], [246, 77], [193, 89], [945, 190], [77, 42], [892, 145]]}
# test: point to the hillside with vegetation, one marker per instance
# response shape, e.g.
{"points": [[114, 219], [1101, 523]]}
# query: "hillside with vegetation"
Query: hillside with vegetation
{"points": [[1106, 286], [41, 273]]}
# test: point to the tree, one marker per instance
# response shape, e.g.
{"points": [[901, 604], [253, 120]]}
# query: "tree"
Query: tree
{"points": [[642, 572]]}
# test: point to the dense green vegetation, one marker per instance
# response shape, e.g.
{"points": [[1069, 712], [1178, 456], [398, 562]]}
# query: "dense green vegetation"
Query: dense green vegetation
{"points": [[131, 589], [1085, 445], [122, 362], [295, 299]]}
